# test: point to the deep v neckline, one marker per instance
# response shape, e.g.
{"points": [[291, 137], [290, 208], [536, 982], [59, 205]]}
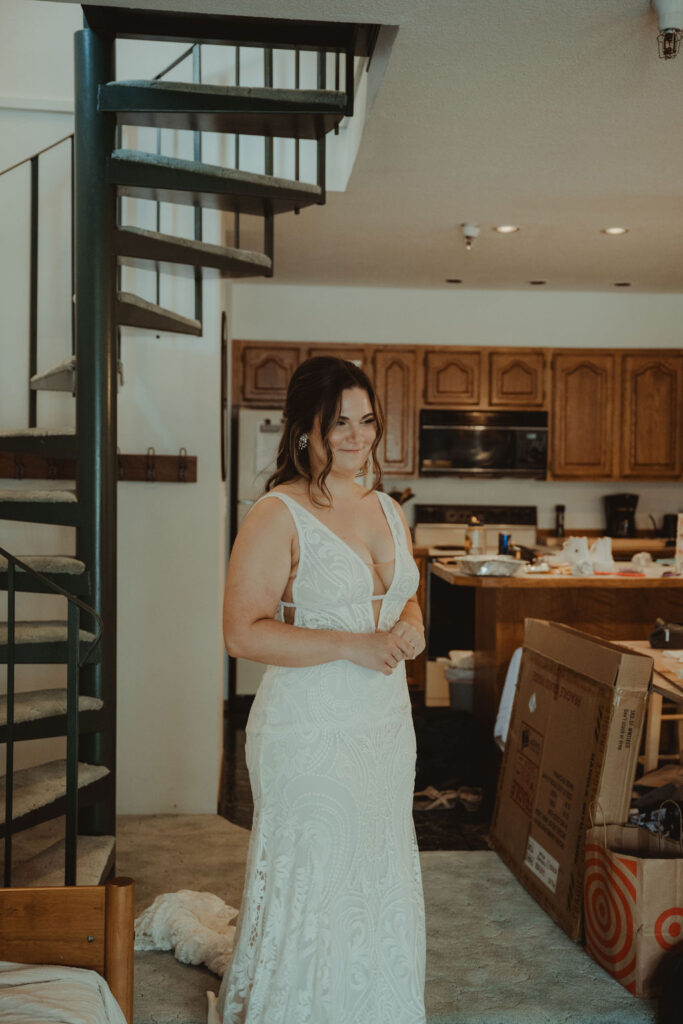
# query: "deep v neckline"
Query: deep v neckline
{"points": [[348, 546]]}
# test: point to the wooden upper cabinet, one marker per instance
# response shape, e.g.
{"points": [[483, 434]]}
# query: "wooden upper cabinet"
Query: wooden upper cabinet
{"points": [[652, 415], [394, 379], [357, 354], [582, 436], [516, 379], [265, 372], [453, 377]]}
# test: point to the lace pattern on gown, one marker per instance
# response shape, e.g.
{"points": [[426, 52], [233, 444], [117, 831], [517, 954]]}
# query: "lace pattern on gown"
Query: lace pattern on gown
{"points": [[331, 928]]}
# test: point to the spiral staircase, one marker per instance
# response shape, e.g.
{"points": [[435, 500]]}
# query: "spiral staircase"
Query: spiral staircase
{"points": [[82, 786]]}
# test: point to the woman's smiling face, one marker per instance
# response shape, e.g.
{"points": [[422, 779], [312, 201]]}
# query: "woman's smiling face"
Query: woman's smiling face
{"points": [[350, 439]]}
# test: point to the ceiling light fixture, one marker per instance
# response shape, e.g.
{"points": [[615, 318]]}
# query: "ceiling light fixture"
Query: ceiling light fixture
{"points": [[622, 284], [613, 231], [471, 233], [538, 282], [506, 229], [670, 27], [453, 280]]}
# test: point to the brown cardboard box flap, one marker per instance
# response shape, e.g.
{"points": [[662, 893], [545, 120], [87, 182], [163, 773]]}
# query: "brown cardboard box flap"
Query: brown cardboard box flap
{"points": [[570, 756]]}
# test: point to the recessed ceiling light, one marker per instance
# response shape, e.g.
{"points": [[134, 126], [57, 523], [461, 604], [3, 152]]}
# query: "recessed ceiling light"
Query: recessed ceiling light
{"points": [[538, 282], [622, 284], [506, 229], [614, 231], [453, 280]]}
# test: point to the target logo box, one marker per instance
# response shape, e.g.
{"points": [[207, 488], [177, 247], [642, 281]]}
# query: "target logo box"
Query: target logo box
{"points": [[571, 755], [633, 898]]}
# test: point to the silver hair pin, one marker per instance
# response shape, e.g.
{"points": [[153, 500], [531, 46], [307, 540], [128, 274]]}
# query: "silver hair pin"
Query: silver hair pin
{"points": [[302, 442]]}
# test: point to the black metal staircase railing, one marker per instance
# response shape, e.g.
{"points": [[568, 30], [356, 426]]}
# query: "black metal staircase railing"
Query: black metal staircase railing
{"points": [[101, 174], [75, 661], [34, 161]]}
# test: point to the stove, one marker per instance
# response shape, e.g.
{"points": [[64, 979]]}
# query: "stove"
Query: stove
{"points": [[441, 528]]}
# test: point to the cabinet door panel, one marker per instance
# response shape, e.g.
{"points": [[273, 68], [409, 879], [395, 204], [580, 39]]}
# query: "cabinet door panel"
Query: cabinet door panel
{"points": [[266, 370], [652, 414], [453, 378], [582, 424], [516, 379], [394, 380], [354, 353]]}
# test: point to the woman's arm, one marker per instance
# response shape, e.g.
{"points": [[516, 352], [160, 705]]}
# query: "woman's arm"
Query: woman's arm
{"points": [[258, 571], [410, 625]]}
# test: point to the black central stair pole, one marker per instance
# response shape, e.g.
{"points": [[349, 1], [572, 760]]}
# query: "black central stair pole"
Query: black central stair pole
{"points": [[96, 404]]}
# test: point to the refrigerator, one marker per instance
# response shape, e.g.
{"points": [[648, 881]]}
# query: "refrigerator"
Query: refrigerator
{"points": [[256, 436]]}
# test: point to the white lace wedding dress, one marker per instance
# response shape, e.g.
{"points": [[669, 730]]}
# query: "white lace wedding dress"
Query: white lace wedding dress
{"points": [[331, 927]]}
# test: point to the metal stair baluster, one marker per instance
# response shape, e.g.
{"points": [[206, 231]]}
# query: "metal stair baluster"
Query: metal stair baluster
{"points": [[33, 296], [71, 839], [9, 760]]}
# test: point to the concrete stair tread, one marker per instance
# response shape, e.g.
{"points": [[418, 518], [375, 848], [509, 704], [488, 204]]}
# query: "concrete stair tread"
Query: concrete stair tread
{"points": [[202, 89], [62, 564], [226, 174], [169, 179], [264, 111], [145, 245], [38, 496], [134, 311], [34, 705], [38, 432], [50, 631], [43, 784], [94, 854], [58, 378]]}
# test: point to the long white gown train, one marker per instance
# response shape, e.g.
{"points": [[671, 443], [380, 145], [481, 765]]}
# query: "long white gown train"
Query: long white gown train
{"points": [[331, 929]]}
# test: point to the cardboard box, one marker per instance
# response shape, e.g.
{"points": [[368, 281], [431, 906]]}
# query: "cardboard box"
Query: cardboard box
{"points": [[633, 896], [570, 755]]}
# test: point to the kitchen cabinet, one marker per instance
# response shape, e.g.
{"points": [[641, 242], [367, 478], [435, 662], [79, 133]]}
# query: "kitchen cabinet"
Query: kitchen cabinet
{"points": [[453, 377], [652, 415], [582, 434], [261, 372], [357, 354], [516, 379], [394, 376]]}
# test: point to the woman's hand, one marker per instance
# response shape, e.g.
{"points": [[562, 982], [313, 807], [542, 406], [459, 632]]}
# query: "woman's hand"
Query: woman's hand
{"points": [[413, 635], [380, 651]]}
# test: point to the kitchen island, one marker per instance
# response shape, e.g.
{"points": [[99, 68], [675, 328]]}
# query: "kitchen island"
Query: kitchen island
{"points": [[610, 606]]}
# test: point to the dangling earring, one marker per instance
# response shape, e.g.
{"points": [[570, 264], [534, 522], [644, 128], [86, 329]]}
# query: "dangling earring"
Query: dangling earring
{"points": [[302, 442]]}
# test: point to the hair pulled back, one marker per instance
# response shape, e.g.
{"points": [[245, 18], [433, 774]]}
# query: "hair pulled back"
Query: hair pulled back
{"points": [[315, 388]]}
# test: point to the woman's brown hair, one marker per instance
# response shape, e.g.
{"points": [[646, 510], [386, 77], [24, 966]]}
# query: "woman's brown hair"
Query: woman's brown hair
{"points": [[316, 387]]}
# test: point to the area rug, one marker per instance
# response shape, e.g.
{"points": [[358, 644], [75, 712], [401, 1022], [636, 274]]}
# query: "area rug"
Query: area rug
{"points": [[493, 956]]}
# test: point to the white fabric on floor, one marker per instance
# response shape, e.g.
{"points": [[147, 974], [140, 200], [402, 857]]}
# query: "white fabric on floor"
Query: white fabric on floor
{"points": [[195, 925]]}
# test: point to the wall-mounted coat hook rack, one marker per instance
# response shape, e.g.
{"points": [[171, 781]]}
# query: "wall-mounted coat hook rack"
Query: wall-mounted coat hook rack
{"points": [[147, 468]]}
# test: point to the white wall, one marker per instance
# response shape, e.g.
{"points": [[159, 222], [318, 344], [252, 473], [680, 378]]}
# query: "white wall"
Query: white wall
{"points": [[440, 317], [171, 537]]}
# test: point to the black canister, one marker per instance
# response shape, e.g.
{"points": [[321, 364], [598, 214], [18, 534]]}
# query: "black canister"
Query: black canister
{"points": [[504, 543], [559, 520]]}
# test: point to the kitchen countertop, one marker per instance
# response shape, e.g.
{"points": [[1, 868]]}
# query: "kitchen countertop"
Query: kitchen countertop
{"points": [[452, 575]]}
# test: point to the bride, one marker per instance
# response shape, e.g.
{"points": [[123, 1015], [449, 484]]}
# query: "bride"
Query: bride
{"points": [[321, 588]]}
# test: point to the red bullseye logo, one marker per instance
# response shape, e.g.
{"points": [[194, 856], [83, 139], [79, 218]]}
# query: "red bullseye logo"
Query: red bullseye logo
{"points": [[610, 899], [669, 927]]}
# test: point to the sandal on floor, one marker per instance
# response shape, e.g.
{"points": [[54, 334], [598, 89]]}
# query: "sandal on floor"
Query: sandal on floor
{"points": [[426, 799]]}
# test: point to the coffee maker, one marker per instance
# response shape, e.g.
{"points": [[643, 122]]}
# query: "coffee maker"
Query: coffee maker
{"points": [[620, 510]]}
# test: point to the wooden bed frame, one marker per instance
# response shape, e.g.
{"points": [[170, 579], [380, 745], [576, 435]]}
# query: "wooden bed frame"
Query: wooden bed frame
{"points": [[74, 926]]}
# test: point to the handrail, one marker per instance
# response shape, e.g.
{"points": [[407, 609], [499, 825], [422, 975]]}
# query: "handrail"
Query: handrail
{"points": [[174, 63], [74, 663], [39, 153]]}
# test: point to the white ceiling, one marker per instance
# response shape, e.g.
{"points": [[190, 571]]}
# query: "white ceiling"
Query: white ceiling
{"points": [[556, 115]]}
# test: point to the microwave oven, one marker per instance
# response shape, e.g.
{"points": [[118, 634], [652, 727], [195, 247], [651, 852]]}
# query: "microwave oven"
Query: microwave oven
{"points": [[468, 443]]}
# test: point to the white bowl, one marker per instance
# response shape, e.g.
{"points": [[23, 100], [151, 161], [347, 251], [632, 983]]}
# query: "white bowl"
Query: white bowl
{"points": [[490, 565]]}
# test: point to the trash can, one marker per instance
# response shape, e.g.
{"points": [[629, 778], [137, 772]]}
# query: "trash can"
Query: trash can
{"points": [[460, 676]]}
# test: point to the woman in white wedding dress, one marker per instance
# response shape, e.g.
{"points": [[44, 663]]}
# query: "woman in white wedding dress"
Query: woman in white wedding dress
{"points": [[321, 588]]}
